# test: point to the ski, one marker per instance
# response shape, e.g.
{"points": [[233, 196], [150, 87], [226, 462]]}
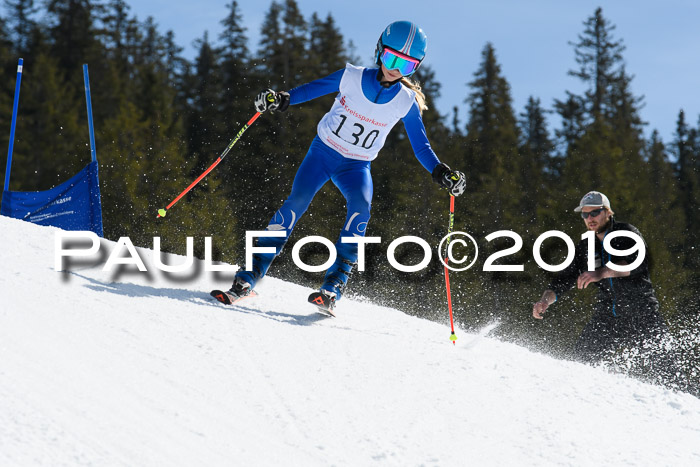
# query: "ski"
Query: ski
{"points": [[324, 303], [228, 298]]}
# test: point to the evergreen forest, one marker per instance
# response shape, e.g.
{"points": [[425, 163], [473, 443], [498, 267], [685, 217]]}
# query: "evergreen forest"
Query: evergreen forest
{"points": [[161, 120]]}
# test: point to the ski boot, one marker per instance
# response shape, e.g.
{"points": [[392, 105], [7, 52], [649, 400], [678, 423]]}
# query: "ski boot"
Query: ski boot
{"points": [[324, 301], [238, 291]]}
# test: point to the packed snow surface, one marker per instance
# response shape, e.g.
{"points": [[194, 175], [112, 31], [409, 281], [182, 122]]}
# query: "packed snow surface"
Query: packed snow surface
{"points": [[145, 369]]}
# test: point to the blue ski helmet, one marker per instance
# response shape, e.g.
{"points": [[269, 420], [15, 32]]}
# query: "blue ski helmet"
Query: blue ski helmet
{"points": [[404, 37]]}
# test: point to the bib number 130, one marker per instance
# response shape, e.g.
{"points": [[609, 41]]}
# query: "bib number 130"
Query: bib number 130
{"points": [[368, 140]]}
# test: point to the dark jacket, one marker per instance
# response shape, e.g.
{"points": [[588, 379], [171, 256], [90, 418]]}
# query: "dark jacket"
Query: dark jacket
{"points": [[619, 296]]}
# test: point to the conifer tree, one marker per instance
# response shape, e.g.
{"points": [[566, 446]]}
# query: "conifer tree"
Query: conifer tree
{"points": [[607, 98], [536, 152], [572, 127], [270, 43], [72, 32], [116, 22], [50, 143], [492, 159], [687, 152], [116, 28], [599, 58], [283, 45], [21, 23], [666, 245], [238, 80], [205, 126], [687, 169], [294, 44], [492, 145], [235, 69], [602, 127], [72, 38], [624, 109], [327, 47]]}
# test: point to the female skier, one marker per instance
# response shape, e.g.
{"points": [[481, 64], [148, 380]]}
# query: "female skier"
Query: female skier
{"points": [[369, 102]]}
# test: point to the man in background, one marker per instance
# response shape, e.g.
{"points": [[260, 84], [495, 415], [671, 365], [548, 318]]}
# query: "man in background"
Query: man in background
{"points": [[626, 311]]}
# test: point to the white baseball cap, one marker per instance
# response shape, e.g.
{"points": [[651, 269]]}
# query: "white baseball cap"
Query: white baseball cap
{"points": [[593, 199]]}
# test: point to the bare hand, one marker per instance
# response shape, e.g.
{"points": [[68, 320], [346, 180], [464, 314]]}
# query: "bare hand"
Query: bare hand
{"points": [[539, 308], [589, 277]]}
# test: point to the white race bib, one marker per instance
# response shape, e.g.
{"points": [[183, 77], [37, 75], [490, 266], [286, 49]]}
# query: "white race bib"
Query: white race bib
{"points": [[357, 127]]}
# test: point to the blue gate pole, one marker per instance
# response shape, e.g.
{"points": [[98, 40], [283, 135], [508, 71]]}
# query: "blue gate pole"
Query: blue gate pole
{"points": [[86, 78], [8, 167]]}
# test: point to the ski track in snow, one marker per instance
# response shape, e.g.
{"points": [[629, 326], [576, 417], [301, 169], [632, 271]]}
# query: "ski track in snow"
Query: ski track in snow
{"points": [[125, 370]]}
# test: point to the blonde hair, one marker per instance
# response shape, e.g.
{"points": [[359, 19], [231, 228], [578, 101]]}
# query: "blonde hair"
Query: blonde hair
{"points": [[415, 87]]}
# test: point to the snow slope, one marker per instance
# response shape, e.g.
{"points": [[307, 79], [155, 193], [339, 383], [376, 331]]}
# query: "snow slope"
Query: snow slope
{"points": [[147, 371]]}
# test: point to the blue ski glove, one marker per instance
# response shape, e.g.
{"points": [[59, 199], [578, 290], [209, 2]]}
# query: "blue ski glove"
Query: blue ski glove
{"points": [[271, 100], [452, 180]]}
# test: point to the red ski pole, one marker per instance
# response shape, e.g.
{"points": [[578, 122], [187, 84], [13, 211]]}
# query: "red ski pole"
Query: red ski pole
{"points": [[162, 212], [453, 337]]}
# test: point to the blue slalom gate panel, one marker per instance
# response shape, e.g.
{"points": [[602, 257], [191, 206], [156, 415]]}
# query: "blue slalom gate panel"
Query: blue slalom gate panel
{"points": [[72, 205]]}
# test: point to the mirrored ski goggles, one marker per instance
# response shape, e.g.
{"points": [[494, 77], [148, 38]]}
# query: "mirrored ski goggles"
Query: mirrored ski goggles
{"points": [[394, 60]]}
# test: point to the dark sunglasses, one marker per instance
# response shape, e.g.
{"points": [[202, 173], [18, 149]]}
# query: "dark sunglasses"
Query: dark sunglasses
{"points": [[593, 213]]}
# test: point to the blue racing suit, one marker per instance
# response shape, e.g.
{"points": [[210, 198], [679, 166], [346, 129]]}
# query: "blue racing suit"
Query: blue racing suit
{"points": [[351, 176]]}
